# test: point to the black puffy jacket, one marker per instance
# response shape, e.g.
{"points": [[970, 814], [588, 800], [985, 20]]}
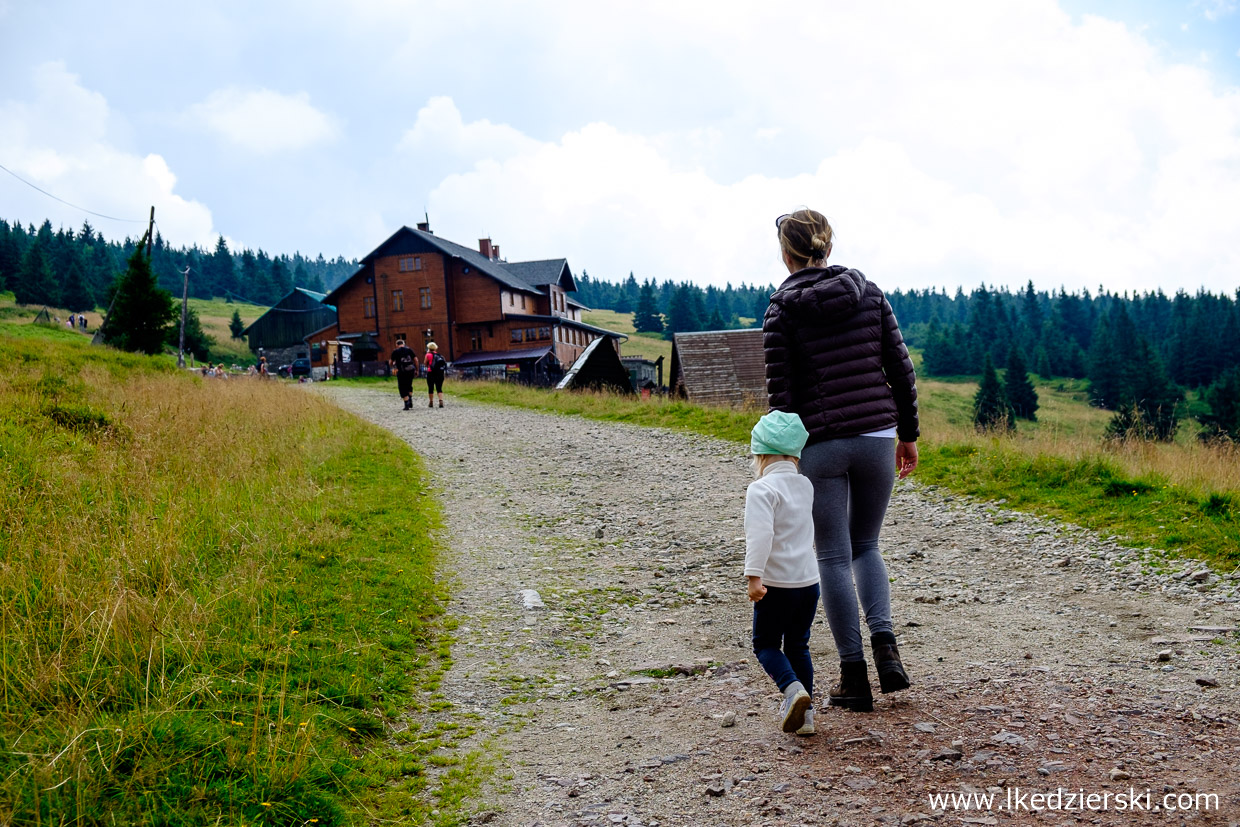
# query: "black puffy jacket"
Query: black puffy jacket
{"points": [[835, 356]]}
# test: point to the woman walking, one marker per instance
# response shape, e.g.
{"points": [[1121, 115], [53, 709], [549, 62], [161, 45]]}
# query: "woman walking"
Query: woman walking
{"points": [[835, 356]]}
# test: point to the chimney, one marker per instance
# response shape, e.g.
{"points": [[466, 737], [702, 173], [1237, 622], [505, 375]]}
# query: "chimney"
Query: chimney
{"points": [[484, 247], [495, 251], [424, 226]]}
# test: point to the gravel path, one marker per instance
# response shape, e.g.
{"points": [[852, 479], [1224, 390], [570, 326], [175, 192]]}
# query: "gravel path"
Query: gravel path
{"points": [[1042, 656]]}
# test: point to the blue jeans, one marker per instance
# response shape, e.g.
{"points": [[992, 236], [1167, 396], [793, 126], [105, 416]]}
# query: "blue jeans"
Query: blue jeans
{"points": [[781, 621]]}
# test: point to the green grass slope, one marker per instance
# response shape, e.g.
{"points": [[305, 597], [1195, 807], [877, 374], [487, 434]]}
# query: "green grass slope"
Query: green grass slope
{"points": [[215, 597]]}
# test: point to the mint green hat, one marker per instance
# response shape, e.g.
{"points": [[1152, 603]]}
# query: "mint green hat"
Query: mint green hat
{"points": [[779, 433]]}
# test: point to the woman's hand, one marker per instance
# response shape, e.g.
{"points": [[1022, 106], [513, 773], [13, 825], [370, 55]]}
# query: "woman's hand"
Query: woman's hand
{"points": [[906, 458], [756, 590]]}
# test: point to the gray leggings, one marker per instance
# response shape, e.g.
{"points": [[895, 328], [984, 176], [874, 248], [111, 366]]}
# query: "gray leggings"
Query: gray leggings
{"points": [[852, 478]]}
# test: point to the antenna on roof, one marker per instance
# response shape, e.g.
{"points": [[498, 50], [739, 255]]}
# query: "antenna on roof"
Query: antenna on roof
{"points": [[425, 226]]}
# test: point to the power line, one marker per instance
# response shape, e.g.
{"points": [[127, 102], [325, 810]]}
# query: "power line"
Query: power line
{"points": [[63, 201]]}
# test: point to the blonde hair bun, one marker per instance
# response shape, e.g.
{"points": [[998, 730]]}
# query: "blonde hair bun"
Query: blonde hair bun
{"points": [[805, 236]]}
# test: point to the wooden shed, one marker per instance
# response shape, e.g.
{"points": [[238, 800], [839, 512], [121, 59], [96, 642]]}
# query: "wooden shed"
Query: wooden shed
{"points": [[288, 322], [598, 366], [719, 367]]}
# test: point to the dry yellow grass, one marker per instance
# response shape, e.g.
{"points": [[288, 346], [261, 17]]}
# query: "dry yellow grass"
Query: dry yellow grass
{"points": [[1069, 428], [201, 596]]}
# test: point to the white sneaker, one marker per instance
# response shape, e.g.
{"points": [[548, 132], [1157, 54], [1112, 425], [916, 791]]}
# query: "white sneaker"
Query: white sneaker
{"points": [[792, 710], [807, 728]]}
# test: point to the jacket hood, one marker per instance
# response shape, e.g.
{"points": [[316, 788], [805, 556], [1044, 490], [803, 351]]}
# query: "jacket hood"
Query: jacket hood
{"points": [[825, 292]]}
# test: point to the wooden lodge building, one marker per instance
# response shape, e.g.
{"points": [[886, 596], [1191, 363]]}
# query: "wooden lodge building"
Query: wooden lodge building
{"points": [[280, 333], [487, 315]]}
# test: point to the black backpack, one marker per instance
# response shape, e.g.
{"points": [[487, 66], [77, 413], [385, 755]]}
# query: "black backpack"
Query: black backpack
{"points": [[438, 363]]}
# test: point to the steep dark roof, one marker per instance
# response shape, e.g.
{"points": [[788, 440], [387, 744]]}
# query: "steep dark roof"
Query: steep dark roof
{"points": [[287, 307], [525, 276], [318, 297], [598, 366], [546, 271], [719, 367]]}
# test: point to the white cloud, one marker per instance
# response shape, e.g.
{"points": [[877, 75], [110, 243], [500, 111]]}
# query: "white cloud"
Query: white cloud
{"points": [[59, 139], [1005, 143], [1215, 10], [439, 130], [263, 121]]}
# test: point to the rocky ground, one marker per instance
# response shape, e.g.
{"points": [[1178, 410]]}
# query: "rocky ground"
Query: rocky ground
{"points": [[1043, 657]]}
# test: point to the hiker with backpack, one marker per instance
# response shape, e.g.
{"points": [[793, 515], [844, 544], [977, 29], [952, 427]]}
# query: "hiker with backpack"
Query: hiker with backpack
{"points": [[436, 367], [405, 362]]}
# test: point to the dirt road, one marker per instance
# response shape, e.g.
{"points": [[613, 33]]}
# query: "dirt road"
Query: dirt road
{"points": [[1043, 658]]}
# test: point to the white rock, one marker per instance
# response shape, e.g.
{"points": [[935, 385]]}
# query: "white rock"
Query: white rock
{"points": [[530, 599]]}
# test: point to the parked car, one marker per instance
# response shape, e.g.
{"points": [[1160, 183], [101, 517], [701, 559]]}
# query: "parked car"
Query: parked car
{"points": [[300, 367]]}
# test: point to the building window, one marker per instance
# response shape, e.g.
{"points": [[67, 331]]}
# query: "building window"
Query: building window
{"points": [[428, 336], [475, 340], [397, 337], [398, 300], [368, 307], [516, 334], [408, 263], [510, 300], [424, 296], [522, 301], [544, 333]]}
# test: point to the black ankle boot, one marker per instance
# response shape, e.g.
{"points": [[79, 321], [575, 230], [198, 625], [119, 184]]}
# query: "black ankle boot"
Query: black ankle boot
{"points": [[853, 690], [891, 674]]}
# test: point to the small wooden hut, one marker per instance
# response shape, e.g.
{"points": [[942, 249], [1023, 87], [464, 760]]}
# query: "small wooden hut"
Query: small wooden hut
{"points": [[598, 366], [719, 367]]}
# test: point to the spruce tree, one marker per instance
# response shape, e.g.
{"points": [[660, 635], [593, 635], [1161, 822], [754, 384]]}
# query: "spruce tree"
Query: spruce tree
{"points": [[682, 315], [647, 318], [34, 283], [197, 341], [991, 410], [1223, 397], [283, 280], [1018, 387], [75, 295], [236, 326], [141, 311]]}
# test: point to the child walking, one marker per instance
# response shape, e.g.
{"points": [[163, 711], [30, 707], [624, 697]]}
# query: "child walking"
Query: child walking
{"points": [[780, 564]]}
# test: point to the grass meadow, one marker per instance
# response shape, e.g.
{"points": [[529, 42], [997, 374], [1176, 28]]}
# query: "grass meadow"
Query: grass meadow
{"points": [[218, 601], [646, 345], [215, 314], [1182, 497]]}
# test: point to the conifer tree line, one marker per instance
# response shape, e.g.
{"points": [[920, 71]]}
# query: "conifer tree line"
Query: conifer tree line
{"points": [[669, 307], [1139, 353], [75, 270]]}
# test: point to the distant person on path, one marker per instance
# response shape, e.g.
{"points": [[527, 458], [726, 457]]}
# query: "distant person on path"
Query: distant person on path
{"points": [[780, 566], [436, 367], [834, 355], [262, 367], [405, 361]]}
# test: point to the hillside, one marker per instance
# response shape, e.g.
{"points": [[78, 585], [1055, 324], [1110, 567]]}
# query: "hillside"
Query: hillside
{"points": [[209, 614]]}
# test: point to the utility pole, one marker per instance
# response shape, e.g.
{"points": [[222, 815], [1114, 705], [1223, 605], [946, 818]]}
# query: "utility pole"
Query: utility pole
{"points": [[184, 302]]}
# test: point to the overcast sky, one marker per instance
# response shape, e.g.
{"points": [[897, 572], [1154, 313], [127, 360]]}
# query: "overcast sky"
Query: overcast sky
{"points": [[1076, 143]]}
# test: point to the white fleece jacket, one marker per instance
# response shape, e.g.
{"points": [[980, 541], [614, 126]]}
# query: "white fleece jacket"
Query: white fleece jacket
{"points": [[779, 528]]}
